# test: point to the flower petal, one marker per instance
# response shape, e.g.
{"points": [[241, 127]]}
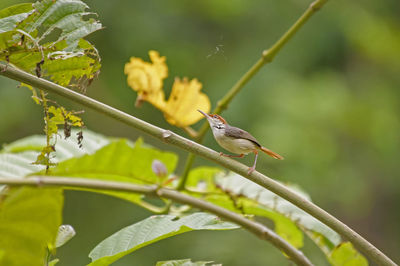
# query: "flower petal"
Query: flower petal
{"points": [[147, 78], [185, 99]]}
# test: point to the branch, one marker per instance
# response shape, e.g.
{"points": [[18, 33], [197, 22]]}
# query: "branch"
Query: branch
{"points": [[258, 229], [174, 139], [267, 57]]}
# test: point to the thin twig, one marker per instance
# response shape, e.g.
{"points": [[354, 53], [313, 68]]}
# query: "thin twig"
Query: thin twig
{"points": [[258, 229], [174, 139]]}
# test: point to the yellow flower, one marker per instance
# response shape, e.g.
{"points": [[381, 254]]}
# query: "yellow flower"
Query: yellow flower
{"points": [[147, 78], [184, 101]]}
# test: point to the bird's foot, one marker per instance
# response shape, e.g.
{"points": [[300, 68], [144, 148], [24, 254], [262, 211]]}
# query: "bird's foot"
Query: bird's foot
{"points": [[251, 170]]}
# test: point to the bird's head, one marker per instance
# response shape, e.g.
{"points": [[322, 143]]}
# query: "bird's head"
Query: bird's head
{"points": [[216, 122]]}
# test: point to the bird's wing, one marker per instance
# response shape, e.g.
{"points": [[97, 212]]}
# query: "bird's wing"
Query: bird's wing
{"points": [[237, 132]]}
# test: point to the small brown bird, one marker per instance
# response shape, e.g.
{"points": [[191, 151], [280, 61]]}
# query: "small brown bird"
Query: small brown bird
{"points": [[236, 140]]}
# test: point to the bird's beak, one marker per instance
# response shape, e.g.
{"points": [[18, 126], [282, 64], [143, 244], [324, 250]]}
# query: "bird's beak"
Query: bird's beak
{"points": [[206, 115]]}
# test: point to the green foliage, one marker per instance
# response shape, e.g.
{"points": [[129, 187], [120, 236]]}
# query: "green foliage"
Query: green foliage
{"points": [[121, 160], [46, 38], [346, 114], [29, 221], [99, 158], [18, 165], [346, 255], [150, 230], [65, 148], [12, 16], [241, 195], [184, 262], [60, 116], [53, 118], [17, 157], [237, 194], [269, 201]]}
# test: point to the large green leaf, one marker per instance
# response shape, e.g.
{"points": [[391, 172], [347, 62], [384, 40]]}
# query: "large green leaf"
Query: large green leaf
{"points": [[18, 165], [50, 34], [206, 182], [65, 148], [150, 230], [119, 161], [29, 221], [238, 194], [17, 157], [268, 200], [99, 158]]}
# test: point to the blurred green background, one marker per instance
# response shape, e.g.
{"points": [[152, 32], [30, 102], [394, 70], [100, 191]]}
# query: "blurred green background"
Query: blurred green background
{"points": [[329, 103]]}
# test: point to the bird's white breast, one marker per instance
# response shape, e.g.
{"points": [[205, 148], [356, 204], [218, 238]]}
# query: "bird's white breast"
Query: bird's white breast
{"points": [[238, 146]]}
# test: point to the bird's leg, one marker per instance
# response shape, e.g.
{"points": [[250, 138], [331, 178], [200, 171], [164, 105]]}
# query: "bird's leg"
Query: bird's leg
{"points": [[251, 169], [231, 156]]}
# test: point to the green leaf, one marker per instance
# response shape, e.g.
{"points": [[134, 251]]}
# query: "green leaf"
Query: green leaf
{"points": [[203, 179], [15, 10], [7, 39], [17, 157], [79, 63], [64, 15], [47, 39], [29, 221], [119, 161], [210, 181], [284, 226], [238, 194], [65, 148], [10, 22], [268, 200], [346, 255], [184, 262], [150, 230], [18, 165]]}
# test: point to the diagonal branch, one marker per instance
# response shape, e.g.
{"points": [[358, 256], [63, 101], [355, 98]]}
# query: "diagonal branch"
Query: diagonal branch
{"points": [[174, 139], [258, 229], [267, 57]]}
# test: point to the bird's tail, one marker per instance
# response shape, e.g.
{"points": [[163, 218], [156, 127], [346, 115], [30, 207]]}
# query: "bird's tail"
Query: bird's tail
{"points": [[271, 153]]}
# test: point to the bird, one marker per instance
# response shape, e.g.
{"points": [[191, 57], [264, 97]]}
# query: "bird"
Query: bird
{"points": [[236, 140]]}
